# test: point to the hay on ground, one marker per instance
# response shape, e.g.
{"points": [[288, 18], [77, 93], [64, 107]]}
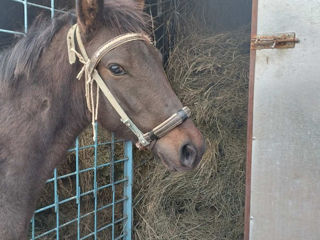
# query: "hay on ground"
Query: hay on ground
{"points": [[209, 72]]}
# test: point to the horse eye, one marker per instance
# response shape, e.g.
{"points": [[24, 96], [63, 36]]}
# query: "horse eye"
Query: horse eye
{"points": [[116, 69]]}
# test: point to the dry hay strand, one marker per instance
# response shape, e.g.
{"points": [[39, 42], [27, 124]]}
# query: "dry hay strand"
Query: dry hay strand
{"points": [[210, 74]]}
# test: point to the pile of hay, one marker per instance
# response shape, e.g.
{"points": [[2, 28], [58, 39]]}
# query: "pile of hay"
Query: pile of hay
{"points": [[209, 72]]}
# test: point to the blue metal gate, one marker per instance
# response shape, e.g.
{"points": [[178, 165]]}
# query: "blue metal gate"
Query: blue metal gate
{"points": [[118, 226], [108, 218]]}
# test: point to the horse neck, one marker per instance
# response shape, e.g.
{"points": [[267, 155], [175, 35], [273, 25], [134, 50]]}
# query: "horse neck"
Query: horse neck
{"points": [[39, 121], [67, 114]]}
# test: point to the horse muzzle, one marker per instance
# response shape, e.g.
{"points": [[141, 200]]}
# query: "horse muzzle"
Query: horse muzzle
{"points": [[182, 148]]}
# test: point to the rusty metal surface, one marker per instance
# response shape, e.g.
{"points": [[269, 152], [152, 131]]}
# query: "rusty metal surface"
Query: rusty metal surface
{"points": [[281, 40], [285, 171]]}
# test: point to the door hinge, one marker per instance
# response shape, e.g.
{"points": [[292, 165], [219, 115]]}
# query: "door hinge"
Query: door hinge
{"points": [[282, 40]]}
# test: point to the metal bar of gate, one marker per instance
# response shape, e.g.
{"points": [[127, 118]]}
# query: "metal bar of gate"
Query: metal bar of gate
{"points": [[128, 171]]}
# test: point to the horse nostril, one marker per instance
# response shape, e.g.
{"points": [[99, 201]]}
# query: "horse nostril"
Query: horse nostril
{"points": [[188, 155]]}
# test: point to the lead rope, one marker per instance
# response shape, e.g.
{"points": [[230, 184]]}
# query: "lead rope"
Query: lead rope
{"points": [[92, 106], [91, 75]]}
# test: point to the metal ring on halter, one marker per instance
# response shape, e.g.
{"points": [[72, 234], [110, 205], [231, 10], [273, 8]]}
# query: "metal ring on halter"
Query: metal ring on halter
{"points": [[92, 75]]}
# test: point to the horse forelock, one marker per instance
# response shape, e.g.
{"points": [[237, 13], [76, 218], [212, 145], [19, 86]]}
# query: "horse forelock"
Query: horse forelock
{"points": [[125, 16]]}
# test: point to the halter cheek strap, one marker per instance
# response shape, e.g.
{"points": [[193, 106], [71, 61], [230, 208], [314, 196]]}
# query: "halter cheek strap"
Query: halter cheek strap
{"points": [[92, 75]]}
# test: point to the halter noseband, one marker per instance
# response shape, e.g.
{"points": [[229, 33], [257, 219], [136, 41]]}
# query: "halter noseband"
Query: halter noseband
{"points": [[92, 75]]}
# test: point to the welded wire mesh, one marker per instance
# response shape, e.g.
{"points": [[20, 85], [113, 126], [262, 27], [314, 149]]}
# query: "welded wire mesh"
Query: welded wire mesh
{"points": [[165, 20], [91, 200]]}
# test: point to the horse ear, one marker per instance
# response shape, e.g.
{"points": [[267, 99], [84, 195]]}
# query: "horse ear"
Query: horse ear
{"points": [[140, 4], [89, 14]]}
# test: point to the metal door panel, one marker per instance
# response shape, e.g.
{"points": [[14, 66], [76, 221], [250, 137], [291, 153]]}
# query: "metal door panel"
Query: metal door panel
{"points": [[285, 172]]}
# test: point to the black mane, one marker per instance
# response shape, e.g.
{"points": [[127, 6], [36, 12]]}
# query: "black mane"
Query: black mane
{"points": [[24, 55]]}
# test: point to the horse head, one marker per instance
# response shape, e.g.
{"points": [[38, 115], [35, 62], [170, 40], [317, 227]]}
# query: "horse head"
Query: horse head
{"points": [[127, 89]]}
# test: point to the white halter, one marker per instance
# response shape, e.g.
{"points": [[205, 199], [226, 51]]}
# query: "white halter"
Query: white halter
{"points": [[92, 75]]}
